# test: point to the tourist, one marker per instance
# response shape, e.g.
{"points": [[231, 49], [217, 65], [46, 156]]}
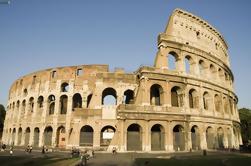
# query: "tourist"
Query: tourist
{"points": [[27, 148], [43, 150], [114, 151], [3, 147], [30, 150]]}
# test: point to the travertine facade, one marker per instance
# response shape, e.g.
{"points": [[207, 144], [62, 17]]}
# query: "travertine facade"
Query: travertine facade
{"points": [[189, 104]]}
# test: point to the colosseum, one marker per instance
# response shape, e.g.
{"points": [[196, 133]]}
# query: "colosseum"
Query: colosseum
{"points": [[185, 101]]}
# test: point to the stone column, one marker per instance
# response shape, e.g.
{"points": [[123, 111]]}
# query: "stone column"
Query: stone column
{"points": [[31, 140], [169, 142], [16, 137], [145, 91], [146, 142], [122, 132], [96, 137], [41, 137], [203, 140], [189, 140], [180, 64], [68, 120], [161, 59]]}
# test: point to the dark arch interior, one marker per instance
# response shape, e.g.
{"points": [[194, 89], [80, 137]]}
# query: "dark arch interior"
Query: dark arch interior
{"points": [[133, 127]]}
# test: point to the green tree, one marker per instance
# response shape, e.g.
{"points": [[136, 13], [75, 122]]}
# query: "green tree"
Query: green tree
{"points": [[2, 114], [245, 118], [2, 117]]}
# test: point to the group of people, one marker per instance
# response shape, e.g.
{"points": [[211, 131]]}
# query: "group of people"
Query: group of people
{"points": [[28, 149], [3, 147]]}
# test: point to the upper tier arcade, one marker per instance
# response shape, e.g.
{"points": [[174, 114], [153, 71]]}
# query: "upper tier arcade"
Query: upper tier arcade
{"points": [[187, 29]]}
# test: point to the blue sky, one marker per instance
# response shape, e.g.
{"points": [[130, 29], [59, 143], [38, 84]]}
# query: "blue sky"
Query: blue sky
{"points": [[39, 34]]}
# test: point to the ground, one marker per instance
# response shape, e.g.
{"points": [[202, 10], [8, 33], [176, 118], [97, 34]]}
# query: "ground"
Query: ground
{"points": [[36, 158]]}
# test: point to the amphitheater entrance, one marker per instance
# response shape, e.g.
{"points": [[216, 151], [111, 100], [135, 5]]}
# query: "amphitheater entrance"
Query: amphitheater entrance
{"points": [[210, 138], [106, 136], [13, 136], [36, 137], [61, 137], [27, 136], [178, 138], [134, 137], [19, 136], [48, 136], [157, 138], [195, 136], [229, 138], [220, 138], [86, 136]]}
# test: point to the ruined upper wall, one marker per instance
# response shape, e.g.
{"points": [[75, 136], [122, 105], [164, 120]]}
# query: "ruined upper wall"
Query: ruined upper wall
{"points": [[188, 29]]}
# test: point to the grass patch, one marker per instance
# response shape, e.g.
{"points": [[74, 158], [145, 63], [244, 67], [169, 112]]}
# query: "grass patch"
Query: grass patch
{"points": [[24, 161], [195, 161]]}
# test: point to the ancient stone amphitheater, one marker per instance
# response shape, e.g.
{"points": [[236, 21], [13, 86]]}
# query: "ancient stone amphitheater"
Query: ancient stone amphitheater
{"points": [[185, 101]]}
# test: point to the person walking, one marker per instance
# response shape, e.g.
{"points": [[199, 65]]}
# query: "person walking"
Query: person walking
{"points": [[30, 150], [43, 150]]}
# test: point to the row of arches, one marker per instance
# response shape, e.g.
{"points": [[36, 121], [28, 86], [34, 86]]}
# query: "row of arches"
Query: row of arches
{"points": [[109, 97], [205, 69], [216, 138], [177, 99]]}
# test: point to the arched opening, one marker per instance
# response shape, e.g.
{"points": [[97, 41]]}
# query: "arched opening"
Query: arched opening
{"points": [[157, 137], [220, 74], [25, 92], [189, 65], [178, 138], [195, 137], [27, 136], [109, 97], [220, 138], [31, 104], [51, 102], [193, 99], [23, 108], [86, 136], [63, 104], [106, 135], [48, 136], [156, 94], [213, 71], [40, 101], [61, 137], [36, 137], [19, 137], [202, 67], [206, 99], [77, 101], [217, 103], [210, 138], [176, 97], [172, 61], [64, 87], [128, 96], [89, 100], [134, 137], [13, 136]]}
